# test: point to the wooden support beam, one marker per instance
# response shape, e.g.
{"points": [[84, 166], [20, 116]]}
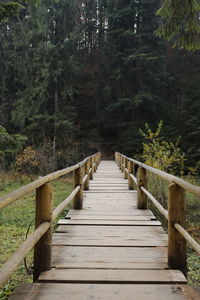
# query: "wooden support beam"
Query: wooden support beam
{"points": [[122, 165], [87, 168], [120, 162], [78, 181], [130, 171], [125, 167], [95, 163], [42, 250], [176, 214], [118, 159], [142, 181], [92, 167]]}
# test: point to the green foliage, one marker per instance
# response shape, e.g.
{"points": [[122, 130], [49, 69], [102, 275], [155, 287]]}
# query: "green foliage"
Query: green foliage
{"points": [[10, 143], [181, 23], [73, 76], [161, 154], [14, 222], [10, 9]]}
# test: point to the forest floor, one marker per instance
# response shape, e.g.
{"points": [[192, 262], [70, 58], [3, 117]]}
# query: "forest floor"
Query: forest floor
{"points": [[17, 220], [159, 190]]}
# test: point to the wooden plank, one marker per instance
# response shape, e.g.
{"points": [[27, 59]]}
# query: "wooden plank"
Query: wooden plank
{"points": [[124, 212], [108, 222], [109, 257], [59, 291], [107, 242], [109, 217], [111, 230], [113, 276]]}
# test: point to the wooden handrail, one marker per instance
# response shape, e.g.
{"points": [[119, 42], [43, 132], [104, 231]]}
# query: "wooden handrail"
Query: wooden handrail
{"points": [[168, 177], [15, 260], [177, 235], [41, 237], [161, 209], [22, 191]]}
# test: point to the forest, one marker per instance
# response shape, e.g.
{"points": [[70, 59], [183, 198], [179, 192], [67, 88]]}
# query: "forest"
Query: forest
{"points": [[77, 76], [80, 76]]}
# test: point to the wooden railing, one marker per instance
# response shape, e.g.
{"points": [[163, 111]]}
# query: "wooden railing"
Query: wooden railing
{"points": [[41, 238], [176, 213]]}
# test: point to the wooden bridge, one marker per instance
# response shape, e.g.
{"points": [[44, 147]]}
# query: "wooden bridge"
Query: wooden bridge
{"points": [[110, 245]]}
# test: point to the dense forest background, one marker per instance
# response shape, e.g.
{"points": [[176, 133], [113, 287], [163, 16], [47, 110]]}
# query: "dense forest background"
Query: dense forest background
{"points": [[82, 75]]}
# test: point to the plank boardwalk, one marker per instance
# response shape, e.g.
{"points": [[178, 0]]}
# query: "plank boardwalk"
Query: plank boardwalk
{"points": [[108, 250]]}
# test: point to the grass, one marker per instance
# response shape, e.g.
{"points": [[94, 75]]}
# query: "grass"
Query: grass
{"points": [[16, 219], [158, 188]]}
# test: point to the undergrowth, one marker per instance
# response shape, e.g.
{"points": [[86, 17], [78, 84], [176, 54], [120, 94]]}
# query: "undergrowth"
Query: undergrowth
{"points": [[158, 188], [16, 219]]}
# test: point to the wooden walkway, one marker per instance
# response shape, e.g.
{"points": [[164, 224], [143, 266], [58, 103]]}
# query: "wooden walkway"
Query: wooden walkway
{"points": [[108, 250]]}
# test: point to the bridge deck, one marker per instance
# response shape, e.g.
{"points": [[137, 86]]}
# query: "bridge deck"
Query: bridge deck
{"points": [[108, 250]]}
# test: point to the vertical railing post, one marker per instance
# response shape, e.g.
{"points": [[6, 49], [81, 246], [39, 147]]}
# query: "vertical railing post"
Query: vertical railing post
{"points": [[130, 171], [95, 163], [91, 167], [120, 161], [177, 258], [42, 250], [141, 181], [125, 167], [122, 168], [86, 168], [78, 181], [99, 158], [117, 159]]}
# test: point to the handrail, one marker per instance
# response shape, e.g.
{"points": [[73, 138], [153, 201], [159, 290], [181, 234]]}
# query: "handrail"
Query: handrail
{"points": [[22, 191], [176, 214], [45, 216], [168, 177]]}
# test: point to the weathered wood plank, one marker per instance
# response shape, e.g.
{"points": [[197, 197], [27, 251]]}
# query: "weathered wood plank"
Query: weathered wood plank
{"points": [[109, 217], [124, 212], [113, 276], [107, 242], [108, 222], [59, 291], [109, 257], [111, 230]]}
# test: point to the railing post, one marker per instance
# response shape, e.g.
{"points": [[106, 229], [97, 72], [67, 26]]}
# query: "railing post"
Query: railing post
{"points": [[141, 181], [117, 157], [78, 181], [95, 162], [177, 257], [120, 161], [122, 166], [42, 250], [130, 171], [125, 167], [87, 167], [91, 167]]}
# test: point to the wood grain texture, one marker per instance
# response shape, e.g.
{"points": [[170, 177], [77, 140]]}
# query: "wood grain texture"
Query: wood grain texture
{"points": [[108, 222], [113, 276], [109, 257], [59, 291]]}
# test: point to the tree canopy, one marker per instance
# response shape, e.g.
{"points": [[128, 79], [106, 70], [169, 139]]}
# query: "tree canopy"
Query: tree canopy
{"points": [[77, 75]]}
